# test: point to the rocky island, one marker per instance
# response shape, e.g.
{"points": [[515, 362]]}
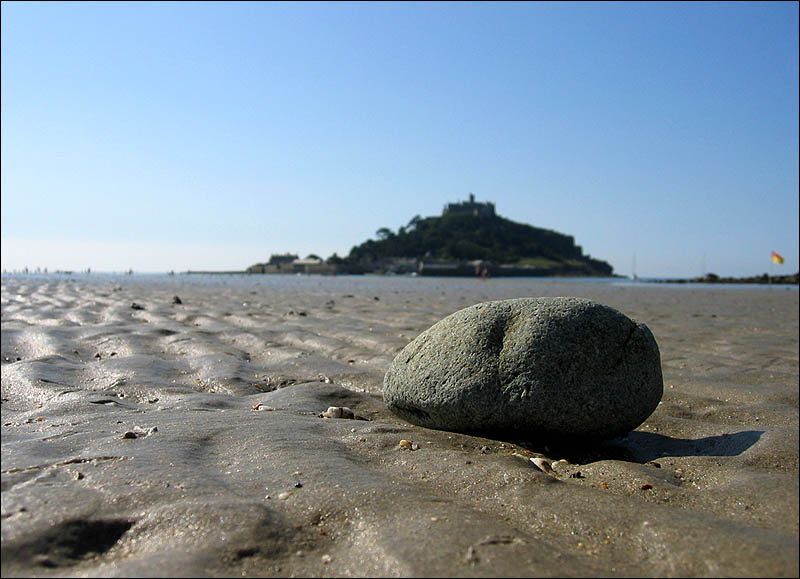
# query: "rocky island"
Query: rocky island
{"points": [[468, 239]]}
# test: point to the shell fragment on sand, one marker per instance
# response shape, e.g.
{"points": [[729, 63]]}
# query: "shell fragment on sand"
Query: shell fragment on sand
{"points": [[338, 412]]}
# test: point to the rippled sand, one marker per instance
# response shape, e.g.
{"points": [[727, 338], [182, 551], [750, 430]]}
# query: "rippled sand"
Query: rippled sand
{"points": [[143, 437]]}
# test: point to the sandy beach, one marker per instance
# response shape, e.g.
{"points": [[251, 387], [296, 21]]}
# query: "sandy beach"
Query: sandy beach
{"points": [[149, 436]]}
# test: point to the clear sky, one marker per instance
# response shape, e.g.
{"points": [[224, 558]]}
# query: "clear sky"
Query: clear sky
{"points": [[174, 136]]}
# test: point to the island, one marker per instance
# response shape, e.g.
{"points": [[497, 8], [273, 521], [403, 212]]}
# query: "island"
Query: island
{"points": [[468, 239]]}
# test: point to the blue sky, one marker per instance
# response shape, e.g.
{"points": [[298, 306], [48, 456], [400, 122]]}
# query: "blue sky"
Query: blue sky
{"points": [[173, 136]]}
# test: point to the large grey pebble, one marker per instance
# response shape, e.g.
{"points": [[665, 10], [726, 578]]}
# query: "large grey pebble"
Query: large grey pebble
{"points": [[548, 368]]}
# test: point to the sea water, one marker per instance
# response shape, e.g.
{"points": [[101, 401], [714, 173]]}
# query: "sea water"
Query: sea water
{"points": [[368, 282]]}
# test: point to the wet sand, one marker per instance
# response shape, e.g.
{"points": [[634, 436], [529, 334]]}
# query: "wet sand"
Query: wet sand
{"points": [[184, 439]]}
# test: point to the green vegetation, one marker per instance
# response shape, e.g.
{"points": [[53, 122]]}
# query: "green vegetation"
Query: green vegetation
{"points": [[462, 236]]}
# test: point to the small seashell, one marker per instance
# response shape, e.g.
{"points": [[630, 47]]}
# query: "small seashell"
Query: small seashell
{"points": [[406, 444], [285, 495], [472, 556], [543, 465], [338, 412], [500, 540], [326, 559]]}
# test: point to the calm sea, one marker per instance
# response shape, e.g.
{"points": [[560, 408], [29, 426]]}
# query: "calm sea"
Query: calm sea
{"points": [[365, 282]]}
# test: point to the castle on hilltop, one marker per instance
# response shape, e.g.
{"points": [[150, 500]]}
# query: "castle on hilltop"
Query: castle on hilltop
{"points": [[471, 206]]}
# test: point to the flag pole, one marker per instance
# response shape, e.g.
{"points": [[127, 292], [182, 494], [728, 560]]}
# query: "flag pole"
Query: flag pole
{"points": [[771, 269]]}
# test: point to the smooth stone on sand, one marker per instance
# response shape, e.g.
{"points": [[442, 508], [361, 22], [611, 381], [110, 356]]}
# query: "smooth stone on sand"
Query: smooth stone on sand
{"points": [[555, 368]]}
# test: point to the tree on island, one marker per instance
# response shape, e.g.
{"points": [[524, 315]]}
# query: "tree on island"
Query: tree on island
{"points": [[384, 233]]}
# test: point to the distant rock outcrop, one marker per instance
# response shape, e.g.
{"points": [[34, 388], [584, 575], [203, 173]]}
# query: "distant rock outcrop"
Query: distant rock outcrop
{"points": [[762, 279], [469, 237]]}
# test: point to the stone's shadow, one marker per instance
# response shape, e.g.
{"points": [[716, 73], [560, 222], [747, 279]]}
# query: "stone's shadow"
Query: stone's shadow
{"points": [[642, 447], [650, 445]]}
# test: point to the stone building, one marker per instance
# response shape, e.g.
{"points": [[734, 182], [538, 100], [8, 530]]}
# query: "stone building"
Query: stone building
{"points": [[471, 206]]}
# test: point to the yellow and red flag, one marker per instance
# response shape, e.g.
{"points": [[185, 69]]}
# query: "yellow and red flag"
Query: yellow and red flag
{"points": [[776, 258]]}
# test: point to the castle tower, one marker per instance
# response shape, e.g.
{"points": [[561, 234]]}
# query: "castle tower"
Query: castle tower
{"points": [[475, 207]]}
